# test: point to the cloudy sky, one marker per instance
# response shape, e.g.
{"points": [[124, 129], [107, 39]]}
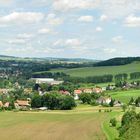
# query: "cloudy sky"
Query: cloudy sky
{"points": [[97, 29]]}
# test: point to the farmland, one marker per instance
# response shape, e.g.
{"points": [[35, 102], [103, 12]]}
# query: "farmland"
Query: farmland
{"points": [[84, 123], [95, 71], [125, 96]]}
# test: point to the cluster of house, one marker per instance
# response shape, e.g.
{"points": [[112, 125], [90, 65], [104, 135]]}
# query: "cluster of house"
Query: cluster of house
{"points": [[101, 100], [4, 91], [87, 90], [6, 75], [107, 100], [131, 85], [18, 104]]}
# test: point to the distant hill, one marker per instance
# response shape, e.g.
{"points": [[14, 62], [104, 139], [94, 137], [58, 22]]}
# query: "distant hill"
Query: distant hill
{"points": [[49, 59], [5, 56], [117, 61]]}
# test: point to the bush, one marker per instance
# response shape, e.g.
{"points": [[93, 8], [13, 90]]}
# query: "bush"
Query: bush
{"points": [[57, 101], [113, 122], [94, 103], [15, 110], [24, 109], [67, 103], [124, 107], [130, 126], [105, 105], [2, 108], [85, 98], [36, 101]]}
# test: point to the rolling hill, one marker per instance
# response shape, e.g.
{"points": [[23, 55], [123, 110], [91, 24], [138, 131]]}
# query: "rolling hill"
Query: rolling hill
{"points": [[102, 70], [117, 61]]}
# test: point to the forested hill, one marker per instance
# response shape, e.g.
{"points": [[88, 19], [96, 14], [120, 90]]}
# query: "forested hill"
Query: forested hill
{"points": [[117, 61]]}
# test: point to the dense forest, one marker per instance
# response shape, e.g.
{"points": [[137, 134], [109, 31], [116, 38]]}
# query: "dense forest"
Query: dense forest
{"points": [[117, 61]]}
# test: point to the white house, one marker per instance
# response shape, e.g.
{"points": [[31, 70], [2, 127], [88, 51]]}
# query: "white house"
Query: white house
{"points": [[104, 100], [47, 80]]}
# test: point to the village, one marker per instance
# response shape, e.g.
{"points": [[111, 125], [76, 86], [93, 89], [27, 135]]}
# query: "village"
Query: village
{"points": [[80, 94]]}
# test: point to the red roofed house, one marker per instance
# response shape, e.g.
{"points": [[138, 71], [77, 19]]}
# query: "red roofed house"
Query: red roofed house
{"points": [[87, 90], [21, 104], [6, 104], [64, 92], [1, 104], [97, 90], [76, 93]]}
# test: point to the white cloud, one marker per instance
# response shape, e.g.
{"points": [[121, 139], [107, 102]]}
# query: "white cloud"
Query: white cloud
{"points": [[25, 36], [118, 8], [99, 29], [73, 42], [132, 21], [110, 50], [59, 42], [21, 18], [26, 50], [111, 8], [16, 41], [65, 5], [68, 42], [6, 2], [38, 3], [52, 19], [103, 18], [21, 39], [44, 30], [118, 39], [86, 18]]}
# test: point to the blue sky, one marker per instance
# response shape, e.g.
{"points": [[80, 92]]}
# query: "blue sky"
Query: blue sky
{"points": [[95, 29]]}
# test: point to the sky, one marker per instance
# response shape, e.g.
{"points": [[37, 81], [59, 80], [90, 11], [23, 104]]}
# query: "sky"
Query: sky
{"points": [[94, 29]]}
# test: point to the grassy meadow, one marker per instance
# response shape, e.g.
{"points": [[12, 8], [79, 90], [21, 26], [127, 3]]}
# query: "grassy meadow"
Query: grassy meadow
{"points": [[124, 96], [96, 71], [82, 123]]}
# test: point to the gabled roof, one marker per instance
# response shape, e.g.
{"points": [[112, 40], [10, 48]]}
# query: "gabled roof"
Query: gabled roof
{"points": [[6, 104], [22, 103], [77, 91], [87, 90], [1, 104], [97, 90], [64, 92]]}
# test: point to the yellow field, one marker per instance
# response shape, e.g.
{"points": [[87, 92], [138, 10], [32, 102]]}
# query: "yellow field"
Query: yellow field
{"points": [[46, 126], [82, 123]]}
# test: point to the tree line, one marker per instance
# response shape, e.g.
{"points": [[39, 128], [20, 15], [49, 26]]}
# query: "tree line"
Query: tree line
{"points": [[117, 61], [91, 79]]}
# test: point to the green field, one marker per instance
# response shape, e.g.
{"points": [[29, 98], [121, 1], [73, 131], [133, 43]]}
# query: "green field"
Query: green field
{"points": [[83, 123], [124, 96], [95, 71]]}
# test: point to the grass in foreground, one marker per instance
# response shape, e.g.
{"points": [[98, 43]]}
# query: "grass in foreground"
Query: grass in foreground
{"points": [[51, 126], [111, 132]]}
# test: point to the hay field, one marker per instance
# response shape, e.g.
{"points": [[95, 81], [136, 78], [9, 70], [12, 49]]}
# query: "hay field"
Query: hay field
{"points": [[52, 125]]}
